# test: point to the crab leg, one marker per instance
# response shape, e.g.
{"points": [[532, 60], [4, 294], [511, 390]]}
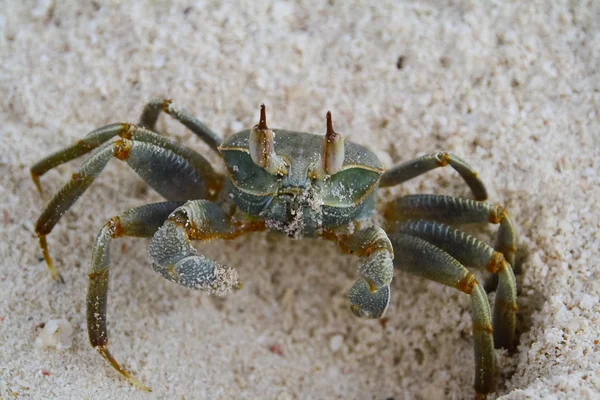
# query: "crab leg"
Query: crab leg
{"points": [[102, 135], [454, 210], [172, 175], [370, 295], [471, 252], [413, 168], [152, 110], [91, 141], [418, 257], [141, 221], [175, 259], [148, 120]]}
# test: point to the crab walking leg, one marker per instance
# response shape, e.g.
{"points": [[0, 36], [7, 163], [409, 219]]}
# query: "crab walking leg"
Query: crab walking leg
{"points": [[141, 221], [152, 110], [102, 135], [370, 295], [175, 259], [168, 173], [454, 210], [418, 257], [91, 141], [413, 168], [471, 252]]}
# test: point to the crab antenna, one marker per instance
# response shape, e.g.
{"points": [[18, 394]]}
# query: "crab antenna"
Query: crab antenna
{"points": [[332, 153], [261, 145]]}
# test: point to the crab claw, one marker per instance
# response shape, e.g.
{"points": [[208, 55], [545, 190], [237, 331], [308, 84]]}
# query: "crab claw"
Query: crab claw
{"points": [[262, 147], [332, 152], [367, 303]]}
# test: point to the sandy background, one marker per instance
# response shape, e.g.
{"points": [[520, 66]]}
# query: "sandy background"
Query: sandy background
{"points": [[513, 89]]}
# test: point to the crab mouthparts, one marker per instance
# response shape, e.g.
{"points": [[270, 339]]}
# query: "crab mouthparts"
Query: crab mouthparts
{"points": [[292, 190]]}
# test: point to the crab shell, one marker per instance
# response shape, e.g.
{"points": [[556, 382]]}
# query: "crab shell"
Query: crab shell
{"points": [[320, 200]]}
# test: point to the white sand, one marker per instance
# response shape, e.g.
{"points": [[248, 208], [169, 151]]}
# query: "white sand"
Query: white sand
{"points": [[513, 89]]}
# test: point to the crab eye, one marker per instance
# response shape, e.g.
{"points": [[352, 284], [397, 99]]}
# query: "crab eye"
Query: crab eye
{"points": [[332, 151], [261, 146]]}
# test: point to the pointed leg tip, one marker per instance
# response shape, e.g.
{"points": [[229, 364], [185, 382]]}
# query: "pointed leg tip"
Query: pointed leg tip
{"points": [[133, 380], [103, 350], [53, 271], [56, 276], [36, 181], [139, 384]]}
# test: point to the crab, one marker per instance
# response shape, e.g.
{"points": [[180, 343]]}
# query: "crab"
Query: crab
{"points": [[299, 184]]}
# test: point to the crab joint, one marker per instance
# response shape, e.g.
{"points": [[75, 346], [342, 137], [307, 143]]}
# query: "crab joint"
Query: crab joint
{"points": [[467, 283], [262, 147], [122, 149], [332, 152], [496, 262]]}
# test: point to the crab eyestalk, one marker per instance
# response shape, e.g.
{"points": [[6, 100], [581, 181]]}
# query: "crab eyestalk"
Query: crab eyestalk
{"points": [[332, 152], [262, 147]]}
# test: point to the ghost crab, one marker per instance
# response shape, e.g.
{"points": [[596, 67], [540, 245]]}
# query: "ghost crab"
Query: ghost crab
{"points": [[302, 185]]}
